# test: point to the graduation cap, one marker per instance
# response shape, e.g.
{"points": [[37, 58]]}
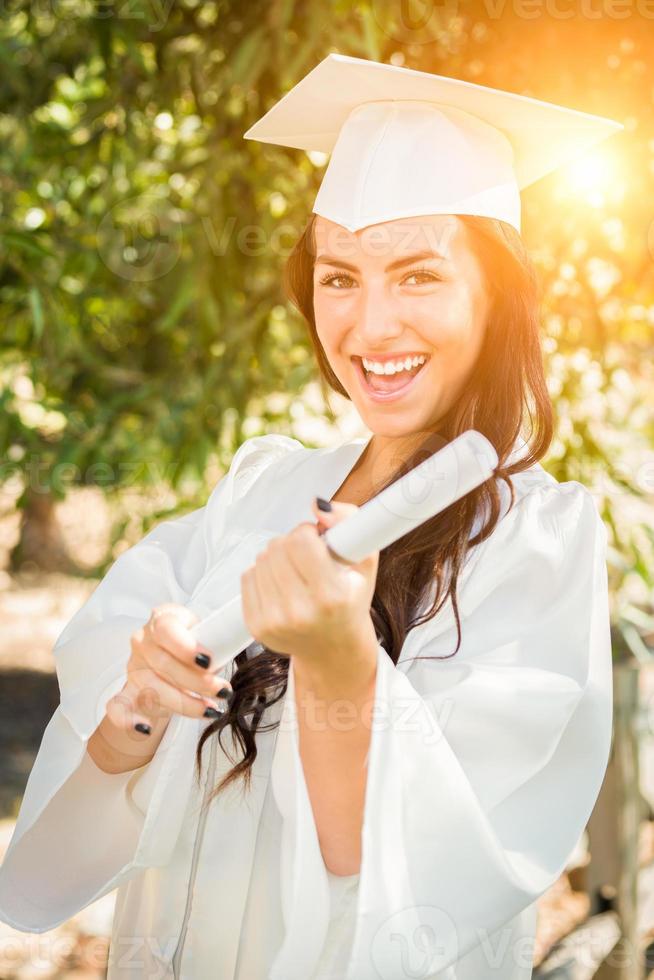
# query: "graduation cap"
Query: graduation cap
{"points": [[406, 142]]}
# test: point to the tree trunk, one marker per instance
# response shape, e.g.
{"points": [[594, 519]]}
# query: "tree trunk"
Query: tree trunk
{"points": [[40, 545]]}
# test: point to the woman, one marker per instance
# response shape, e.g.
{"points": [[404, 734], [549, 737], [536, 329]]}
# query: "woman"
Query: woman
{"points": [[410, 749]]}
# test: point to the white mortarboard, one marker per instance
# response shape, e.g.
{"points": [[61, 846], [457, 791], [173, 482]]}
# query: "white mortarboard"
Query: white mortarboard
{"points": [[406, 142]]}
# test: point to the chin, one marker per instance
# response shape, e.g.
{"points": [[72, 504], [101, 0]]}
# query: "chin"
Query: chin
{"points": [[399, 425]]}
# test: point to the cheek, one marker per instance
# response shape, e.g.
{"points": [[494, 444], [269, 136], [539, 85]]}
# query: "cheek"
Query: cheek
{"points": [[332, 319], [449, 320]]}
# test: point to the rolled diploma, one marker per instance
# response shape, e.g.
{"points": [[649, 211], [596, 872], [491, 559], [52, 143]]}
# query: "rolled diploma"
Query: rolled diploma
{"points": [[446, 476]]}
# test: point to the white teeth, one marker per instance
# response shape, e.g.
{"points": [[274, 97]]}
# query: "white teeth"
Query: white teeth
{"points": [[393, 367]]}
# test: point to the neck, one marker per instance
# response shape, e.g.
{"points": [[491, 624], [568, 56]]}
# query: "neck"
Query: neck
{"points": [[387, 454], [383, 457]]}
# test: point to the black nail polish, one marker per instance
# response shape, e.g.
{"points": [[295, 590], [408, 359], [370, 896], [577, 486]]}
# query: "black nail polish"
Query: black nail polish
{"points": [[225, 693], [202, 660], [212, 713], [140, 727], [323, 504]]}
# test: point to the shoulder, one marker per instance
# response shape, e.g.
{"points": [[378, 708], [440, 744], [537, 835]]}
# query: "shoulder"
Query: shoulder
{"points": [[541, 500], [551, 528], [563, 509], [257, 454], [251, 459], [546, 553]]}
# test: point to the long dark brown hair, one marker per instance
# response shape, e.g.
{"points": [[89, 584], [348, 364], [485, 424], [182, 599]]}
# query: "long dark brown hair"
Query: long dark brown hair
{"points": [[507, 387]]}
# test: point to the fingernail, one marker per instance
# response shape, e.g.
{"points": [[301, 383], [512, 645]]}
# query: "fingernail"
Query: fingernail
{"points": [[212, 713], [323, 504], [225, 693], [202, 660], [140, 727]]}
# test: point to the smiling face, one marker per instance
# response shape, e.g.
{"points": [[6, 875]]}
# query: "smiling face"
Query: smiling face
{"points": [[395, 290]]}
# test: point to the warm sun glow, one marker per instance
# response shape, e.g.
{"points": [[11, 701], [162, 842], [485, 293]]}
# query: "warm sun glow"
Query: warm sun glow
{"points": [[592, 178]]}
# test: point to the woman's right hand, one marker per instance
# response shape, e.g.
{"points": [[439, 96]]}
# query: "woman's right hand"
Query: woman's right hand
{"points": [[163, 674]]}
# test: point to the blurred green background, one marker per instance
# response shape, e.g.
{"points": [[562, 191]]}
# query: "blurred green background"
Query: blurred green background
{"points": [[144, 329]]}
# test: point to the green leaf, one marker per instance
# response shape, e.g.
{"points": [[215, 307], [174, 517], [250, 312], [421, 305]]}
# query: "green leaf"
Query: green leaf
{"points": [[36, 307], [25, 242]]}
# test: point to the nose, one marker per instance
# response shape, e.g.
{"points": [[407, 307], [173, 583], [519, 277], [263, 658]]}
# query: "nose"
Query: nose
{"points": [[376, 318]]}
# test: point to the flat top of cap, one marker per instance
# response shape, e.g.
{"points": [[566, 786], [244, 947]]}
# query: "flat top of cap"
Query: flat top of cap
{"points": [[544, 136]]}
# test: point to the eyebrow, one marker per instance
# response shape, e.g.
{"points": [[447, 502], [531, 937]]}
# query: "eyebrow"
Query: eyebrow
{"points": [[398, 264]]}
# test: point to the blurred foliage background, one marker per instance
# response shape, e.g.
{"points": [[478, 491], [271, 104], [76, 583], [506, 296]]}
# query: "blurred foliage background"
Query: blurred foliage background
{"points": [[144, 330]]}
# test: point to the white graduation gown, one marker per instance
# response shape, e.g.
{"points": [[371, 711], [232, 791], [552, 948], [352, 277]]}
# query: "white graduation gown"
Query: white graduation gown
{"points": [[482, 771]]}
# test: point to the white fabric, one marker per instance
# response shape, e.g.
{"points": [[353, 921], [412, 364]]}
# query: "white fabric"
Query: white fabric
{"points": [[482, 772], [340, 933], [405, 142]]}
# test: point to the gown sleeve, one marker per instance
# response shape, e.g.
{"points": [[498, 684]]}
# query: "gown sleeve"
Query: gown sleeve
{"points": [[80, 831], [483, 769]]}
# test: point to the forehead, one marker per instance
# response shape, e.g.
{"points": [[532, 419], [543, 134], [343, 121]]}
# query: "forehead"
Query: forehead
{"points": [[440, 233]]}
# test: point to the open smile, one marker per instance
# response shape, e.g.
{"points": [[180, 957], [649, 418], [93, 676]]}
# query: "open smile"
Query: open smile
{"points": [[390, 387]]}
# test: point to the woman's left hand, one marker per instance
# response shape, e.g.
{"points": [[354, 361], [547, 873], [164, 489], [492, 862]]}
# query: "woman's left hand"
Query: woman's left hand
{"points": [[300, 599]]}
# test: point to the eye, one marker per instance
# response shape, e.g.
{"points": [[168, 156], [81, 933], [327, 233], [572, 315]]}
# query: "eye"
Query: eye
{"points": [[328, 279], [431, 276]]}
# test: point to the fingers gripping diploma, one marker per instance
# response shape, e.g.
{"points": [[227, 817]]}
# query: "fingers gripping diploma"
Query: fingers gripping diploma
{"points": [[301, 599], [163, 675]]}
